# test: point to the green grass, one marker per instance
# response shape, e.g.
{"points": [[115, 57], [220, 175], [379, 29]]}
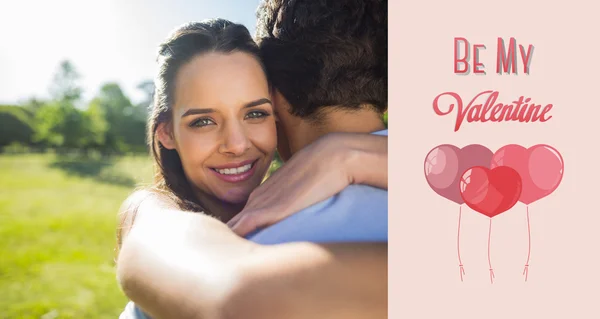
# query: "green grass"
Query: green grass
{"points": [[57, 234]]}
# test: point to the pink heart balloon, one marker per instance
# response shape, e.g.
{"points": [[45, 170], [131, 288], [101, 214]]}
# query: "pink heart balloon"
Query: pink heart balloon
{"points": [[541, 168], [445, 164]]}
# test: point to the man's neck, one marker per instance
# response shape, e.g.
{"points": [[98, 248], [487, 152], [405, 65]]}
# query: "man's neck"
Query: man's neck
{"points": [[363, 121]]}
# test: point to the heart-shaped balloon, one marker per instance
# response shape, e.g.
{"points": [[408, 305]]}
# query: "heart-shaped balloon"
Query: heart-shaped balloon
{"points": [[445, 164], [541, 168], [490, 192]]}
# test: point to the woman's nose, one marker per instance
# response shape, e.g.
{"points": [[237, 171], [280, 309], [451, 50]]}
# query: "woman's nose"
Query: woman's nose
{"points": [[235, 141]]}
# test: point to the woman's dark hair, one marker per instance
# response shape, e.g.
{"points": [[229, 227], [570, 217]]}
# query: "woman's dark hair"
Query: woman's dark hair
{"points": [[183, 44], [321, 53]]}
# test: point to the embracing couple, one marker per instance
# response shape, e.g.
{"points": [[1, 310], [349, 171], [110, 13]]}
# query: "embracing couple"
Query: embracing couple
{"points": [[210, 239]]}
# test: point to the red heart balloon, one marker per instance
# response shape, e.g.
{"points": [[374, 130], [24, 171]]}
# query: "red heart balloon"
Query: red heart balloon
{"points": [[541, 168], [490, 192]]}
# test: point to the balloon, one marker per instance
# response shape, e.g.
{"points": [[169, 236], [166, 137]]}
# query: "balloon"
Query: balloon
{"points": [[541, 168], [490, 192], [445, 164]]}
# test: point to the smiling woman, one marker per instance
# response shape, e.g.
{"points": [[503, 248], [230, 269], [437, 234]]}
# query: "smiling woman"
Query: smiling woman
{"points": [[212, 131], [212, 111], [223, 128]]}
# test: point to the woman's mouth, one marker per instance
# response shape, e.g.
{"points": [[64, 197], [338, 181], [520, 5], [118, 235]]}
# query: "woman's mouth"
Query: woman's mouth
{"points": [[236, 172]]}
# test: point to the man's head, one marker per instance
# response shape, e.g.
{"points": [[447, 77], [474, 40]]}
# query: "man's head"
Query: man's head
{"points": [[327, 60]]}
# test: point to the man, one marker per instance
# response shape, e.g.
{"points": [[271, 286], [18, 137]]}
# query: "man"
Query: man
{"points": [[329, 72], [327, 61]]}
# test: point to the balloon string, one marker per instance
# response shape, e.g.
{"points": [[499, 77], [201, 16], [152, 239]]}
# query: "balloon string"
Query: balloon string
{"points": [[492, 276], [460, 264], [526, 270]]}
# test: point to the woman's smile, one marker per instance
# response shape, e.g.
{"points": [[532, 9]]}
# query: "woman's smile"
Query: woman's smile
{"points": [[235, 172]]}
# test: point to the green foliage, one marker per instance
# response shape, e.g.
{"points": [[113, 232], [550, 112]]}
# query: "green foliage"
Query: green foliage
{"points": [[32, 106], [109, 124], [125, 123], [96, 126], [15, 125], [63, 126], [60, 123], [385, 119]]}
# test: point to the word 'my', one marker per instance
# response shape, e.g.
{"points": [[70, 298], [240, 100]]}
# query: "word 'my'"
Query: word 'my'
{"points": [[506, 61]]}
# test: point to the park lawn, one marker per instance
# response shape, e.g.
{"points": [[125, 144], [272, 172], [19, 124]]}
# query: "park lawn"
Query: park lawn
{"points": [[57, 234]]}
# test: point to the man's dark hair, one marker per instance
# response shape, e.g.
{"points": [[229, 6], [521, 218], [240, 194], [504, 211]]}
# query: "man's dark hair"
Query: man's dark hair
{"points": [[321, 53]]}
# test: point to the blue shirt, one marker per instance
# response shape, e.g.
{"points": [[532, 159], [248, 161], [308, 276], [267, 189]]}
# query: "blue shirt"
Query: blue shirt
{"points": [[359, 213]]}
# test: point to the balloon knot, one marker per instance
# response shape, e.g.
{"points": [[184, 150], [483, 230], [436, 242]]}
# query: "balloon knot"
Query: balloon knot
{"points": [[526, 271]]}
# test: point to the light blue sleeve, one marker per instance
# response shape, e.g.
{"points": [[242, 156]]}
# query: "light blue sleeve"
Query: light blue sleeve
{"points": [[357, 214], [133, 312]]}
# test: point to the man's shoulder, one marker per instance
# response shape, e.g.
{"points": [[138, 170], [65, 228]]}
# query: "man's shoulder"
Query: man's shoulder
{"points": [[353, 197], [382, 132], [358, 213], [361, 194]]}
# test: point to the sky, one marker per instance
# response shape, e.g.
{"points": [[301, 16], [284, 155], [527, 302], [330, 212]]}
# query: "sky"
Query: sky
{"points": [[106, 40]]}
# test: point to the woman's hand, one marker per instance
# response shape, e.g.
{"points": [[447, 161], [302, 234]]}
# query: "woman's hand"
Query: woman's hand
{"points": [[314, 174]]}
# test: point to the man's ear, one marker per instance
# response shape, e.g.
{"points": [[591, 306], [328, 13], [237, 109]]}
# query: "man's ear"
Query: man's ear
{"points": [[165, 136], [280, 103]]}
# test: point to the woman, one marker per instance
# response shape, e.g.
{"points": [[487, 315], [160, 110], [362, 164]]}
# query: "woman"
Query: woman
{"points": [[212, 134]]}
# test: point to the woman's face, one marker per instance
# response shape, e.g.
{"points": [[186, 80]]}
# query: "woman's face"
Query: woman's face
{"points": [[223, 124]]}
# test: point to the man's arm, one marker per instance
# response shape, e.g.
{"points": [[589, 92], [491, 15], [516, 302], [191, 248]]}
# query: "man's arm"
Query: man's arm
{"points": [[175, 264], [315, 173]]}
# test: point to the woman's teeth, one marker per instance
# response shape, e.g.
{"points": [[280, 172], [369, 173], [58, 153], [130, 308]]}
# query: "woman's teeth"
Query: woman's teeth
{"points": [[234, 171]]}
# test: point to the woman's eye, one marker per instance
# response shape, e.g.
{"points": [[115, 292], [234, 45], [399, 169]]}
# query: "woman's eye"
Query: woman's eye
{"points": [[201, 122], [257, 115]]}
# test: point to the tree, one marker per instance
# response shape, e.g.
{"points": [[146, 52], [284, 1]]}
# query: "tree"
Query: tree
{"points": [[63, 126], [142, 109], [65, 85], [15, 126], [95, 121], [148, 88], [33, 105], [59, 123], [125, 127]]}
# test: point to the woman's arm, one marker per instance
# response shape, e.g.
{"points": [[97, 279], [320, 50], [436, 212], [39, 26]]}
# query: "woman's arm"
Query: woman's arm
{"points": [[314, 174], [367, 161], [176, 264]]}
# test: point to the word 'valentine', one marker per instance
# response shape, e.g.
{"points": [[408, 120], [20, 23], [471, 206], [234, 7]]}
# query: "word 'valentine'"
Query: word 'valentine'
{"points": [[520, 110]]}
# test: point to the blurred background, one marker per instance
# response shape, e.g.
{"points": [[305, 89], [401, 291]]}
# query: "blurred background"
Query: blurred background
{"points": [[75, 86]]}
